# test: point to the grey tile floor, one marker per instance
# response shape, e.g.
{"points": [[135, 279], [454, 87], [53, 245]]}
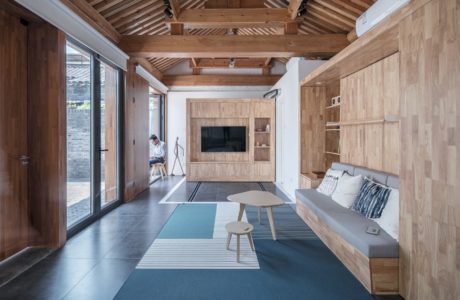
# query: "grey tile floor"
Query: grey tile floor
{"points": [[95, 263]]}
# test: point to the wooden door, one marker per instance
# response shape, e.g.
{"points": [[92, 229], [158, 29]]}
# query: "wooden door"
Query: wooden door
{"points": [[14, 225]]}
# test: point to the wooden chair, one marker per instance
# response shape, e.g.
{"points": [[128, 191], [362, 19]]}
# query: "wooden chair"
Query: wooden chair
{"points": [[159, 167]]}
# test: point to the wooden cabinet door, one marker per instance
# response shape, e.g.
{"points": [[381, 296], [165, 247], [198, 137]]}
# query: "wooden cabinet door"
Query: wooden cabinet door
{"points": [[13, 136]]}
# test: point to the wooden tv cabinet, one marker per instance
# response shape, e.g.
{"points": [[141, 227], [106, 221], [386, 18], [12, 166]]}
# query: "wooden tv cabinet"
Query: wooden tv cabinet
{"points": [[256, 164]]}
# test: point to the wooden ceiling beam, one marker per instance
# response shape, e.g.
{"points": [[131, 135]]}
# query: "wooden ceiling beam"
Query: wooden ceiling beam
{"points": [[293, 8], [175, 7], [218, 63], [210, 46], [148, 66], [220, 80], [85, 11], [233, 18]]}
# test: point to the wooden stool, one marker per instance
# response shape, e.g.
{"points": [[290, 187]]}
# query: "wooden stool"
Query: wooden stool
{"points": [[160, 167], [239, 228]]}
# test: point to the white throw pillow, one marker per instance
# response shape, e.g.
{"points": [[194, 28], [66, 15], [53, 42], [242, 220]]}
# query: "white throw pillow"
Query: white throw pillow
{"points": [[389, 220], [347, 190], [329, 182]]}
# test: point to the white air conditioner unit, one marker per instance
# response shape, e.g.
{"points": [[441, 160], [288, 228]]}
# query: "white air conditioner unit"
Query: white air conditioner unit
{"points": [[376, 13]]}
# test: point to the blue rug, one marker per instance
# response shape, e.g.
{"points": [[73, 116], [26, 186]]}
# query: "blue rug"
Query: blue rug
{"points": [[192, 263]]}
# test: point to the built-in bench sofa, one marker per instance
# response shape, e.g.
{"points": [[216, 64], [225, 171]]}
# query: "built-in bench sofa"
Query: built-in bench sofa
{"points": [[373, 259]]}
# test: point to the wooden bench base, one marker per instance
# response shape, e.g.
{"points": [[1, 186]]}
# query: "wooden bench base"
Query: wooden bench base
{"points": [[378, 275]]}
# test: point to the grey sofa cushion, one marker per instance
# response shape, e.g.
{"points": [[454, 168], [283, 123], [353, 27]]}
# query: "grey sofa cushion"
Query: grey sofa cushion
{"points": [[318, 203], [393, 181], [350, 225], [350, 169], [377, 176]]}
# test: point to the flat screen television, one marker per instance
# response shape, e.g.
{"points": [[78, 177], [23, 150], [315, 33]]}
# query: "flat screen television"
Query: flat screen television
{"points": [[223, 139]]}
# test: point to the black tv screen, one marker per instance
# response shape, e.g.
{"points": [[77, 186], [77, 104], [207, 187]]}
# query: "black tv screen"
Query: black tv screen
{"points": [[223, 139]]}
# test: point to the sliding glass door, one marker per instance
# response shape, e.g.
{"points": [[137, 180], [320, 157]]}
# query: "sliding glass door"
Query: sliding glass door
{"points": [[79, 107], [93, 99]]}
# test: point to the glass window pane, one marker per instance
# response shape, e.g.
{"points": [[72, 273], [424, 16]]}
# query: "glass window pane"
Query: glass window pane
{"points": [[78, 73]]}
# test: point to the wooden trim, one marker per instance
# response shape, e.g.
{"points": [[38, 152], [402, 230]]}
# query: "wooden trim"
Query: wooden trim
{"points": [[233, 18], [377, 275], [173, 46], [220, 80], [88, 13]]}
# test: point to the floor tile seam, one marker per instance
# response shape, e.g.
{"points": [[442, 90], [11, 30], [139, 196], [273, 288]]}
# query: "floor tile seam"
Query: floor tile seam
{"points": [[81, 279]]}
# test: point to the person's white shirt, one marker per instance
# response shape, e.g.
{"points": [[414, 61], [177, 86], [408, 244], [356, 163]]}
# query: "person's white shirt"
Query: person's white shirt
{"points": [[159, 150]]}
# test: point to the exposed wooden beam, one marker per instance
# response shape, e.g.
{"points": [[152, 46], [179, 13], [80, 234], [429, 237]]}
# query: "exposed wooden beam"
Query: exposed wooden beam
{"points": [[174, 46], [148, 66], [291, 28], [213, 63], [177, 28], [293, 8], [222, 80], [175, 7], [233, 18], [194, 62], [85, 11], [352, 36], [234, 4]]}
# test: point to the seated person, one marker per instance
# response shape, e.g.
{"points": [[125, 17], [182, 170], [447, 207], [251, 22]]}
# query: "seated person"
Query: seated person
{"points": [[159, 151]]}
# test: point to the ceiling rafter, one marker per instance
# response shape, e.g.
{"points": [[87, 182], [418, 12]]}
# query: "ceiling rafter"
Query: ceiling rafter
{"points": [[146, 17]]}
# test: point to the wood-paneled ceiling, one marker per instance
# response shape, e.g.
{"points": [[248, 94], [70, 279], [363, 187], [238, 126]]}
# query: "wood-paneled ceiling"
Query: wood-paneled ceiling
{"points": [[147, 17]]}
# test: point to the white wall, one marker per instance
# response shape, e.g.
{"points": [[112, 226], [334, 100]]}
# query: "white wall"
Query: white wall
{"points": [[177, 97], [287, 123]]}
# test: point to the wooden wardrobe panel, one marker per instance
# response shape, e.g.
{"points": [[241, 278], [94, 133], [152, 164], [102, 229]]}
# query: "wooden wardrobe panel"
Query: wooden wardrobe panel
{"points": [[370, 95], [312, 121]]}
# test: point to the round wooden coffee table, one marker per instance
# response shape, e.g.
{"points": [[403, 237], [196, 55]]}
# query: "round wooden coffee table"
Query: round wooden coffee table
{"points": [[258, 199]]}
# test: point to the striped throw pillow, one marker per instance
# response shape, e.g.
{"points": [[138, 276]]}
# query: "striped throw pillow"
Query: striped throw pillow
{"points": [[371, 199]]}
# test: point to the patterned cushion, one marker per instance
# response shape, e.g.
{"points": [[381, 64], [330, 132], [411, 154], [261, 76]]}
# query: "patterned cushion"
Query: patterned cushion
{"points": [[372, 199], [329, 182]]}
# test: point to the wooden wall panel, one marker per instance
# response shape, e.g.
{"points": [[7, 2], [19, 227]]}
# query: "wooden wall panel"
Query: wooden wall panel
{"points": [[14, 225], [312, 133], [136, 144], [47, 133], [430, 156], [368, 96]]}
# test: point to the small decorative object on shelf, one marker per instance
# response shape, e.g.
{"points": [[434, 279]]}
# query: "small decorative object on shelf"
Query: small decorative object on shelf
{"points": [[267, 128], [257, 144]]}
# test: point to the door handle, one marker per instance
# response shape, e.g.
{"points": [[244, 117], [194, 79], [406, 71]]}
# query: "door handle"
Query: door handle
{"points": [[104, 150], [24, 159]]}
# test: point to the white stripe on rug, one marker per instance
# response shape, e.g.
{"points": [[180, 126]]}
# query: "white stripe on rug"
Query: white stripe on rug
{"points": [[198, 254]]}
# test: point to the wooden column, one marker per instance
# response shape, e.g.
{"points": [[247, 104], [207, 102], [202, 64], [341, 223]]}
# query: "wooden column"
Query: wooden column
{"points": [[136, 133], [47, 134]]}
